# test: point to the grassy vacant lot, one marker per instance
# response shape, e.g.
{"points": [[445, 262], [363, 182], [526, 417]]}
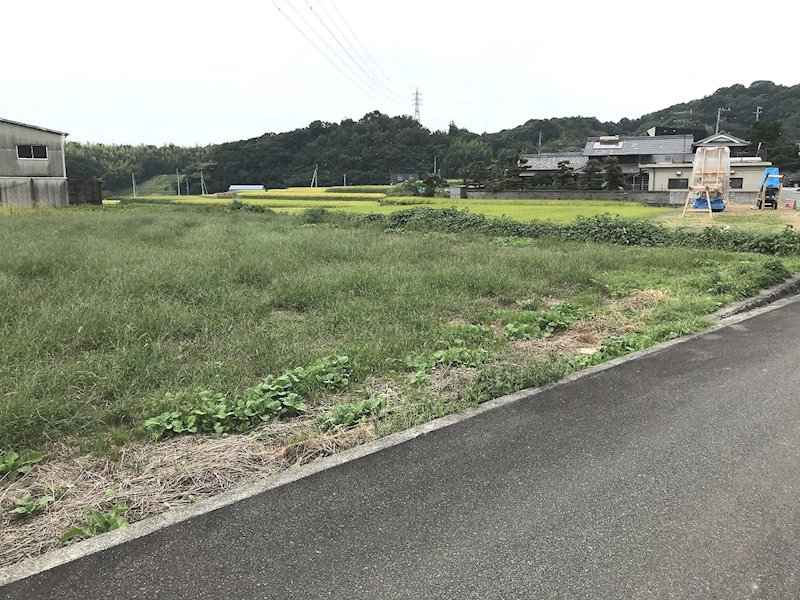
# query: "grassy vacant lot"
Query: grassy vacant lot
{"points": [[104, 311]]}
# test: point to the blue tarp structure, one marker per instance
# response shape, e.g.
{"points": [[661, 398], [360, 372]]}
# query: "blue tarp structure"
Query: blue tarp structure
{"points": [[772, 177], [717, 204]]}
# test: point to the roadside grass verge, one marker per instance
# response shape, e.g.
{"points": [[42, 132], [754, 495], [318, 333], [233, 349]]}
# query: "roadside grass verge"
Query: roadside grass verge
{"points": [[104, 312], [291, 337]]}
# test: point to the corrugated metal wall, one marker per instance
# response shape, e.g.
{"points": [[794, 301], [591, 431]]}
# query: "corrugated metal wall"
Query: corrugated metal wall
{"points": [[12, 135], [33, 191]]}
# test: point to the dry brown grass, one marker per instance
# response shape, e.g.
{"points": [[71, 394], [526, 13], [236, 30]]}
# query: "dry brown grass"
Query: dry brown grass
{"points": [[151, 478]]}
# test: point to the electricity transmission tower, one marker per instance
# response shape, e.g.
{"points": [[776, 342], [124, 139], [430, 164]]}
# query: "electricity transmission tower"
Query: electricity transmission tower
{"points": [[417, 97]]}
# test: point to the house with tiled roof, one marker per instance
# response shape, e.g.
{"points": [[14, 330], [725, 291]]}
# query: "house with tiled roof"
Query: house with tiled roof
{"points": [[654, 162]]}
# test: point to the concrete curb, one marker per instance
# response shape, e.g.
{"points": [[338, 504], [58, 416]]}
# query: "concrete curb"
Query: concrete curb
{"points": [[790, 287], [251, 488]]}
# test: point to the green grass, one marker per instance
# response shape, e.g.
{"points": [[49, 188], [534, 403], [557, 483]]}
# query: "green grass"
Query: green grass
{"points": [[756, 221], [103, 311]]}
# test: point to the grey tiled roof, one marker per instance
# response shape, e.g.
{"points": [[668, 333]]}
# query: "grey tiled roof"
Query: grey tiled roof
{"points": [[640, 145], [549, 162]]}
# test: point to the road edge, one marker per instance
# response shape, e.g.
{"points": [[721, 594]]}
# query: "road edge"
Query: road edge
{"points": [[247, 489]]}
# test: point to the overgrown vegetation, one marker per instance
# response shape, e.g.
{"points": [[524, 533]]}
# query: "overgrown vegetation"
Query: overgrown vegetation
{"points": [[114, 319], [275, 397], [600, 228], [347, 415]]}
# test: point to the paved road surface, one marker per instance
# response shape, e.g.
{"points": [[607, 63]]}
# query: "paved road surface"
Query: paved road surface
{"points": [[673, 476]]}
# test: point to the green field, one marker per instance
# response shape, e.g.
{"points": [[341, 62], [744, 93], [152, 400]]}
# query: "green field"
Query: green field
{"points": [[104, 311], [561, 211]]}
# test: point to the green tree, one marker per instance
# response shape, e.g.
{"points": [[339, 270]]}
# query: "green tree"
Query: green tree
{"points": [[769, 136], [614, 177], [592, 177], [564, 178], [466, 156]]}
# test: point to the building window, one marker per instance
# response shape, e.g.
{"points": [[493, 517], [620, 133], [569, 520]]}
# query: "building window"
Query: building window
{"points": [[677, 184], [26, 151], [737, 183]]}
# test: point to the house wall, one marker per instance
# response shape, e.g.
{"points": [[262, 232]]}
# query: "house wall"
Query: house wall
{"points": [[660, 176], [31, 181]]}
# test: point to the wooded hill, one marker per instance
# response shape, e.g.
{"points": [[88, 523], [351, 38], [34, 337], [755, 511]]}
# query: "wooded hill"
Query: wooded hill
{"points": [[369, 149]]}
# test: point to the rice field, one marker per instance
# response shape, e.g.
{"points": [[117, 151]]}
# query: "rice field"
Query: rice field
{"points": [[293, 200]]}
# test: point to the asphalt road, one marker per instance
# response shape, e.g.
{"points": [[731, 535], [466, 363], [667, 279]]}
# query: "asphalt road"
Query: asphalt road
{"points": [[676, 475]]}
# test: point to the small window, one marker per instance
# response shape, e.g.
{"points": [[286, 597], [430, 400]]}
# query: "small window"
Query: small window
{"points": [[736, 183], [677, 184], [30, 151]]}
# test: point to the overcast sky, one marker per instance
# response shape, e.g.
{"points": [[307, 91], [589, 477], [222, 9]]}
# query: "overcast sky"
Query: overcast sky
{"points": [[204, 72]]}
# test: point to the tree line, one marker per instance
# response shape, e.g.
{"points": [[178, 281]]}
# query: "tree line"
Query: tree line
{"points": [[368, 150]]}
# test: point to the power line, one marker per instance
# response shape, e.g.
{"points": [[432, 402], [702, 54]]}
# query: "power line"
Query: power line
{"points": [[368, 69], [332, 50], [328, 58], [350, 29], [376, 86]]}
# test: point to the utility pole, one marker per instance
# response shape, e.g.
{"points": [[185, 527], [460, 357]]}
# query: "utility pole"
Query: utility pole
{"points": [[314, 176], [759, 109], [434, 164], [719, 115], [133, 179], [540, 141], [417, 97], [345, 179], [203, 188], [178, 177]]}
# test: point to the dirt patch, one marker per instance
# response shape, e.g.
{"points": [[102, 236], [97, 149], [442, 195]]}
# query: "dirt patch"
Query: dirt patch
{"points": [[619, 316], [642, 301], [151, 478]]}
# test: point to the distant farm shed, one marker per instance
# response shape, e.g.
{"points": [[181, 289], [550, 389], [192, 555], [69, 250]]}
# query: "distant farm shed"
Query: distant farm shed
{"points": [[33, 170], [246, 188]]}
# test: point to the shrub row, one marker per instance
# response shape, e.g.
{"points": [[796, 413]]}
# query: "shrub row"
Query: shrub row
{"points": [[601, 228]]}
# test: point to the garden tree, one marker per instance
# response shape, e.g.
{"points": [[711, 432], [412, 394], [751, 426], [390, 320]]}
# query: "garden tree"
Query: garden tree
{"points": [[564, 178], [466, 156], [592, 177], [432, 182], [504, 174], [473, 173], [614, 177]]}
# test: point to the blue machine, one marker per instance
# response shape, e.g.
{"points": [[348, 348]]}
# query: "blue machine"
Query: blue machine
{"points": [[769, 190], [701, 203]]}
